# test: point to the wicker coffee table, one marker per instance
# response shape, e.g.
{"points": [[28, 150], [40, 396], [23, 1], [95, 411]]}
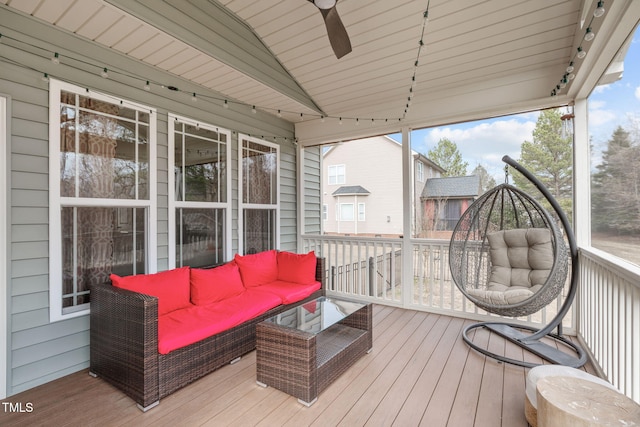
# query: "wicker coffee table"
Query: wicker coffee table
{"points": [[303, 350]]}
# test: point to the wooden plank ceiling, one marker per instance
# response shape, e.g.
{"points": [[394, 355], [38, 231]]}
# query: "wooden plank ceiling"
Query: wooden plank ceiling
{"points": [[275, 54]]}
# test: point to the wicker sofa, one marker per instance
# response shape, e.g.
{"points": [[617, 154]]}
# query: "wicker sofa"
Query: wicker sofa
{"points": [[125, 348]]}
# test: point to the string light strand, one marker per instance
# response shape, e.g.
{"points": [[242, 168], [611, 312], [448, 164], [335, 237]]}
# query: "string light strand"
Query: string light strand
{"points": [[425, 20], [570, 72], [56, 58]]}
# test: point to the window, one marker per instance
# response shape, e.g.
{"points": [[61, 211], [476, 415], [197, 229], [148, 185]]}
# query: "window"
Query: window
{"points": [[325, 212], [336, 174], [360, 211], [259, 216], [199, 189], [420, 171], [102, 193], [346, 212], [448, 214]]}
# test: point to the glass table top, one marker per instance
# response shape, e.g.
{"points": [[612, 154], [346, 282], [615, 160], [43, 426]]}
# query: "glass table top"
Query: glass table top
{"points": [[317, 315]]}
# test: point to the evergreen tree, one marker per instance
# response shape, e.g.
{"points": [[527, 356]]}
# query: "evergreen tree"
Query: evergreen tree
{"points": [[446, 154], [487, 182], [615, 190], [549, 157]]}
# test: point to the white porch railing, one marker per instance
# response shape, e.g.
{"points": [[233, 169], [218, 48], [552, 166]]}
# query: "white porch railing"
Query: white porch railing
{"points": [[608, 305], [370, 268]]}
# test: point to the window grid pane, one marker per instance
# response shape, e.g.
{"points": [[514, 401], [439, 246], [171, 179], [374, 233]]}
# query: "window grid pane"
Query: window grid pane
{"points": [[97, 242], [101, 155], [259, 230], [259, 173], [200, 164], [200, 237]]}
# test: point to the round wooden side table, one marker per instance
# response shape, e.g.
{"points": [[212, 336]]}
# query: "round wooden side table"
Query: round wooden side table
{"points": [[575, 402]]}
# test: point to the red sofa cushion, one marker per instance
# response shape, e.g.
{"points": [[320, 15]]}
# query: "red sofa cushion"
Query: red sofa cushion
{"points": [[171, 287], [297, 268], [187, 326], [216, 284], [257, 269], [184, 327], [291, 292], [251, 303]]}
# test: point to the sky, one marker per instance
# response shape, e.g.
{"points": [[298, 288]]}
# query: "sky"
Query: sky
{"points": [[486, 141]]}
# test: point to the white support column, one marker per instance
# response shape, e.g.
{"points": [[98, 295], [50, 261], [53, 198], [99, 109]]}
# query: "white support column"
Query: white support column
{"points": [[407, 203], [581, 174], [4, 242], [300, 221]]}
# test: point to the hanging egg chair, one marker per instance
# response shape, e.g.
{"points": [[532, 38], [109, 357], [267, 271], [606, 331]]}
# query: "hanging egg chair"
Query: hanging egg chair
{"points": [[508, 256]]}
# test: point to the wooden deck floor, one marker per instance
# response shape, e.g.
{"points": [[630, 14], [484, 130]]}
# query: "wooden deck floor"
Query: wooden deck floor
{"points": [[420, 372]]}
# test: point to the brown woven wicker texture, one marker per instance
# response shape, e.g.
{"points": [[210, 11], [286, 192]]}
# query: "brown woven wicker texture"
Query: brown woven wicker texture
{"points": [[303, 364], [124, 344]]}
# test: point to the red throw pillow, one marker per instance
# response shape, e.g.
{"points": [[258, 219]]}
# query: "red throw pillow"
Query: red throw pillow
{"points": [[258, 269], [171, 287], [297, 268], [215, 284]]}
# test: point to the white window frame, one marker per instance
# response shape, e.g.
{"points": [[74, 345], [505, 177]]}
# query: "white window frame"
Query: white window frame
{"points": [[325, 212], [420, 171], [334, 172], [361, 212], [174, 205], [5, 133], [56, 202], [242, 206], [353, 213]]}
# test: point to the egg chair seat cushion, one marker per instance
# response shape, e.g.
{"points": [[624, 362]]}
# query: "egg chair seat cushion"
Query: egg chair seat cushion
{"points": [[521, 261], [504, 295]]}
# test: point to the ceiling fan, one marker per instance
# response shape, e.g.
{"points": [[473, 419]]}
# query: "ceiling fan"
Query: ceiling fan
{"points": [[338, 36]]}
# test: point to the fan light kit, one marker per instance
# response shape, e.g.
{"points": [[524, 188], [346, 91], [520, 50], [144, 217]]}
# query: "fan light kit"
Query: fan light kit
{"points": [[324, 4]]}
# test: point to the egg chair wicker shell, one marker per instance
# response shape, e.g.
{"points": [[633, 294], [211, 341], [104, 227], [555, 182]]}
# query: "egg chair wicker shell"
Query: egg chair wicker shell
{"points": [[500, 209]]}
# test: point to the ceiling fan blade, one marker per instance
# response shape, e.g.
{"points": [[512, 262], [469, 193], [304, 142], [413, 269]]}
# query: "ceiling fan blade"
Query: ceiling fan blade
{"points": [[338, 36]]}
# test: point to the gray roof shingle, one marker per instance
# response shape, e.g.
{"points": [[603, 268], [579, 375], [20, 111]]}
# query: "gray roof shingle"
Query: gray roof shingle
{"points": [[351, 189], [452, 186]]}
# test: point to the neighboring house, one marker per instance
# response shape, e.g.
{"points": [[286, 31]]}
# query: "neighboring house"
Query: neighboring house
{"points": [[362, 187], [444, 200]]}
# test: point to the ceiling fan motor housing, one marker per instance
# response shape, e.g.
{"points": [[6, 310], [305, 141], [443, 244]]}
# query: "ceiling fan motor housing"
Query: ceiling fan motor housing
{"points": [[324, 4]]}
